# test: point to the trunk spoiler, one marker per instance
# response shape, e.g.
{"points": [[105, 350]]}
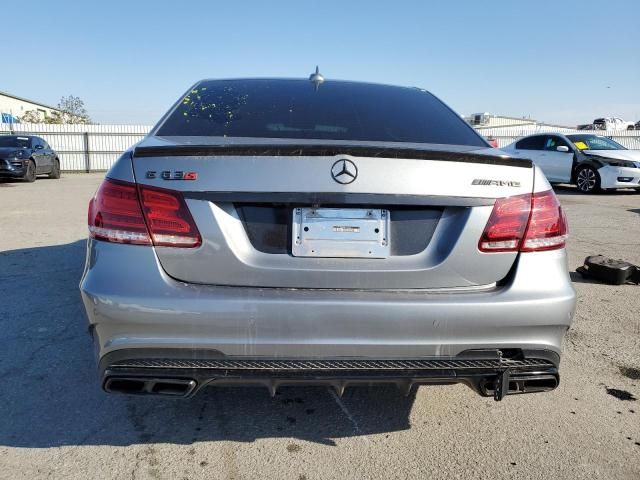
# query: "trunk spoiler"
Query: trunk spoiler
{"points": [[328, 151]]}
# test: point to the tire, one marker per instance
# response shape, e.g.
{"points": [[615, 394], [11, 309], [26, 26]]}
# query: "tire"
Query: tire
{"points": [[588, 180], [55, 169], [30, 174]]}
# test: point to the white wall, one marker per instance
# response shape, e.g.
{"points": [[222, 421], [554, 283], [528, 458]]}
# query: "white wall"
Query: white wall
{"points": [[498, 121], [17, 108]]}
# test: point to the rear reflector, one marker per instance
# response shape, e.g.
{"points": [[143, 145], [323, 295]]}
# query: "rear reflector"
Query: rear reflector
{"points": [[525, 223], [125, 213]]}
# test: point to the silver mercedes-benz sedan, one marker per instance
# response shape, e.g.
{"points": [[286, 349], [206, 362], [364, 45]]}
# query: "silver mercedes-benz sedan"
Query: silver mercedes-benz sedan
{"points": [[276, 231]]}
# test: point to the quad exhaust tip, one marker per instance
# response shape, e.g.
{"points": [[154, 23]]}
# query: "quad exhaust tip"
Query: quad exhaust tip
{"points": [[514, 384], [169, 387]]}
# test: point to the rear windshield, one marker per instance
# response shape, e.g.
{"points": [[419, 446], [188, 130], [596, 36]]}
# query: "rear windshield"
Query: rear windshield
{"points": [[335, 111], [15, 142]]}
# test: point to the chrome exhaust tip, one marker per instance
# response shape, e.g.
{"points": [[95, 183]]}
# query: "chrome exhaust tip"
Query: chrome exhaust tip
{"points": [[168, 387]]}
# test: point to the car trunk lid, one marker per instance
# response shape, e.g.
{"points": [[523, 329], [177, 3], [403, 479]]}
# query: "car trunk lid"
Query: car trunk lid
{"points": [[243, 196]]}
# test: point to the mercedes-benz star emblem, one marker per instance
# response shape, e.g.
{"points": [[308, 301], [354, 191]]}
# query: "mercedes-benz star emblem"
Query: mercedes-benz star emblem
{"points": [[344, 171]]}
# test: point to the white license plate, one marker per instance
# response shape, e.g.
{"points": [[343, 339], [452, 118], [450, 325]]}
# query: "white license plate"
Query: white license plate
{"points": [[340, 232]]}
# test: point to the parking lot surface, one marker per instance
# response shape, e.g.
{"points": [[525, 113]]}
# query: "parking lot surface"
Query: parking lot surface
{"points": [[55, 422]]}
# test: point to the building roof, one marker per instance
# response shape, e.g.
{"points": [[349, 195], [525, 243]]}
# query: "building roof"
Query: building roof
{"points": [[10, 95], [514, 122]]}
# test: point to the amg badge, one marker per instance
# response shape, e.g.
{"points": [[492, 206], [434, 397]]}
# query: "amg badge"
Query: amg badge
{"points": [[496, 183]]}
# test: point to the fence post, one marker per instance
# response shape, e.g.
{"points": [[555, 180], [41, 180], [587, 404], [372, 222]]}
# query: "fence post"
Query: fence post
{"points": [[87, 158]]}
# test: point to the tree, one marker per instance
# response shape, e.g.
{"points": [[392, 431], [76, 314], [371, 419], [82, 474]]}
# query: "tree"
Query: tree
{"points": [[32, 116], [70, 110]]}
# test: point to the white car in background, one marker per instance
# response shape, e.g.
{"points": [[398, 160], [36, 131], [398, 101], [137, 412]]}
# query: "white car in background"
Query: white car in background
{"points": [[591, 162], [612, 123]]}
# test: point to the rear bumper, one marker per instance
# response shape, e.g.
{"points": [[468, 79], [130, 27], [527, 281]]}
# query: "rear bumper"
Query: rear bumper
{"points": [[135, 309], [171, 374]]}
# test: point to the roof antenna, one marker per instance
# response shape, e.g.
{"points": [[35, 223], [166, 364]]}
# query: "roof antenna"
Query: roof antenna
{"points": [[316, 78]]}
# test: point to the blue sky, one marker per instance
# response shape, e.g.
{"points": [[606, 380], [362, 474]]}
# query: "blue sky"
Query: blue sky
{"points": [[562, 62]]}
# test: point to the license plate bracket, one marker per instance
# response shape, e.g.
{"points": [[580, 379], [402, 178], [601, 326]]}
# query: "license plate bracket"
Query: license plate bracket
{"points": [[340, 232]]}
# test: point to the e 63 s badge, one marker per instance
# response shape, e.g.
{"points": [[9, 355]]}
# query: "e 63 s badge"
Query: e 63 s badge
{"points": [[171, 175]]}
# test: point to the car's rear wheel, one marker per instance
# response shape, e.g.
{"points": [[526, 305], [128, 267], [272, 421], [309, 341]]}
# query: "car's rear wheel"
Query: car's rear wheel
{"points": [[55, 169], [30, 174], [588, 180]]}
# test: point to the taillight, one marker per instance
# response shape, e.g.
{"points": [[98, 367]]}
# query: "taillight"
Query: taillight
{"points": [[525, 223], [115, 214], [168, 218], [507, 224], [547, 228], [125, 213]]}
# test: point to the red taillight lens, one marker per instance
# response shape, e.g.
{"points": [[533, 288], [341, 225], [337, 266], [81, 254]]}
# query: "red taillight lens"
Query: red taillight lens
{"points": [[168, 218], [507, 224], [547, 228], [115, 214], [525, 223], [125, 213]]}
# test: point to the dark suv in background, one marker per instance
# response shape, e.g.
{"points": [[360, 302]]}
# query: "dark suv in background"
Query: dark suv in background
{"points": [[25, 156]]}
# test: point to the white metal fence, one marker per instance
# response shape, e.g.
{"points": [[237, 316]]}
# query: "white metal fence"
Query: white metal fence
{"points": [[87, 148], [83, 148], [507, 135]]}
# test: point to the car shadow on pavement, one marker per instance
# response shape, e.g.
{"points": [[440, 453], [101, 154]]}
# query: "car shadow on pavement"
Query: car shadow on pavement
{"points": [[565, 189], [576, 277], [50, 394]]}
